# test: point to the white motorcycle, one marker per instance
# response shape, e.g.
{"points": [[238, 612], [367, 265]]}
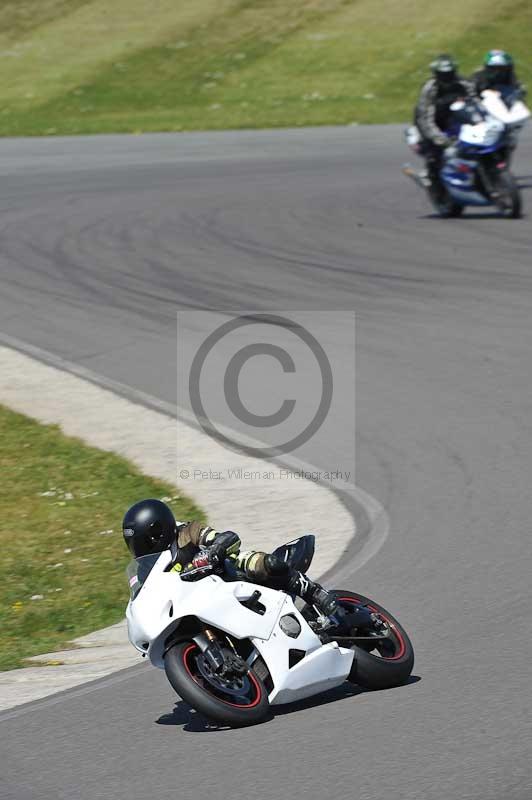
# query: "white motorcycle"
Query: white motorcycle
{"points": [[231, 649]]}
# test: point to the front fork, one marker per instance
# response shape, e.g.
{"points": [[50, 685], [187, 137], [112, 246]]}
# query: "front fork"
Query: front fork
{"points": [[209, 646], [488, 185], [219, 661]]}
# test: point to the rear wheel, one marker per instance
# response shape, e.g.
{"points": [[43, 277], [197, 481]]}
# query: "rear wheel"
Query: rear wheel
{"points": [[232, 698], [383, 662]]}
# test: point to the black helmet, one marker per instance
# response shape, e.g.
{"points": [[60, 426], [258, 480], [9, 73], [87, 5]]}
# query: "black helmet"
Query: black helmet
{"points": [[444, 68], [148, 527]]}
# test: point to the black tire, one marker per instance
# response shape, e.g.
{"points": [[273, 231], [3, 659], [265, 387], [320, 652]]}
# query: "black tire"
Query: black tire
{"points": [[182, 671], [444, 204], [510, 195], [393, 666]]}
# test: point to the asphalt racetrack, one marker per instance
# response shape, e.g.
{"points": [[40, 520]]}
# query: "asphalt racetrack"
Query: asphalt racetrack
{"points": [[101, 239]]}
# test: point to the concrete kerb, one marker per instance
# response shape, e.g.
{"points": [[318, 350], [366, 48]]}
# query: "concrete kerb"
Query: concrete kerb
{"points": [[52, 393]]}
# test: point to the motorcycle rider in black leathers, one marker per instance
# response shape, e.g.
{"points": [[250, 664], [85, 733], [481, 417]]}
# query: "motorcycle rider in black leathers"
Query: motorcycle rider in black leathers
{"points": [[498, 71], [432, 111], [149, 527]]}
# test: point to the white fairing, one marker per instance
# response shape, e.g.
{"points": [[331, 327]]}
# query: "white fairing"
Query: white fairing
{"points": [[165, 600], [515, 116], [483, 134], [324, 666]]}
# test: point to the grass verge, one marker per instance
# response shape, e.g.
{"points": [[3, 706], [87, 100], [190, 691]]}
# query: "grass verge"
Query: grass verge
{"points": [[87, 67], [62, 553]]}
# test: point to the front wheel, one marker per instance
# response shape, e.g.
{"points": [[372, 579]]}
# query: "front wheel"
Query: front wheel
{"points": [[233, 699], [509, 195], [383, 662]]}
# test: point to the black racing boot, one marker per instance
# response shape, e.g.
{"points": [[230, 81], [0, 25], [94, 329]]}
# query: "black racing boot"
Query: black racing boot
{"points": [[313, 593], [433, 174]]}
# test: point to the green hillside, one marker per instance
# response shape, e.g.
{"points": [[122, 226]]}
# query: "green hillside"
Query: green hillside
{"points": [[86, 66]]}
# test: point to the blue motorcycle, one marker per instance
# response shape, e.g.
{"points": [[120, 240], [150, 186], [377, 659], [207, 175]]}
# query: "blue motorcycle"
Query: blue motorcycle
{"points": [[475, 170]]}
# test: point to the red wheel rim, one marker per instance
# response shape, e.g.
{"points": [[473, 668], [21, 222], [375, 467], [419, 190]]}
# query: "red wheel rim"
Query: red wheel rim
{"points": [[258, 689], [393, 627]]}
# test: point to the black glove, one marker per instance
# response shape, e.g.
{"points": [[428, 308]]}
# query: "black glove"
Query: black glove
{"points": [[224, 544], [212, 559], [442, 140]]}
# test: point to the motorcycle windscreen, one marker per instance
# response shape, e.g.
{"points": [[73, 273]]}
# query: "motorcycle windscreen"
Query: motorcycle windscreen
{"points": [[137, 572], [298, 553]]}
